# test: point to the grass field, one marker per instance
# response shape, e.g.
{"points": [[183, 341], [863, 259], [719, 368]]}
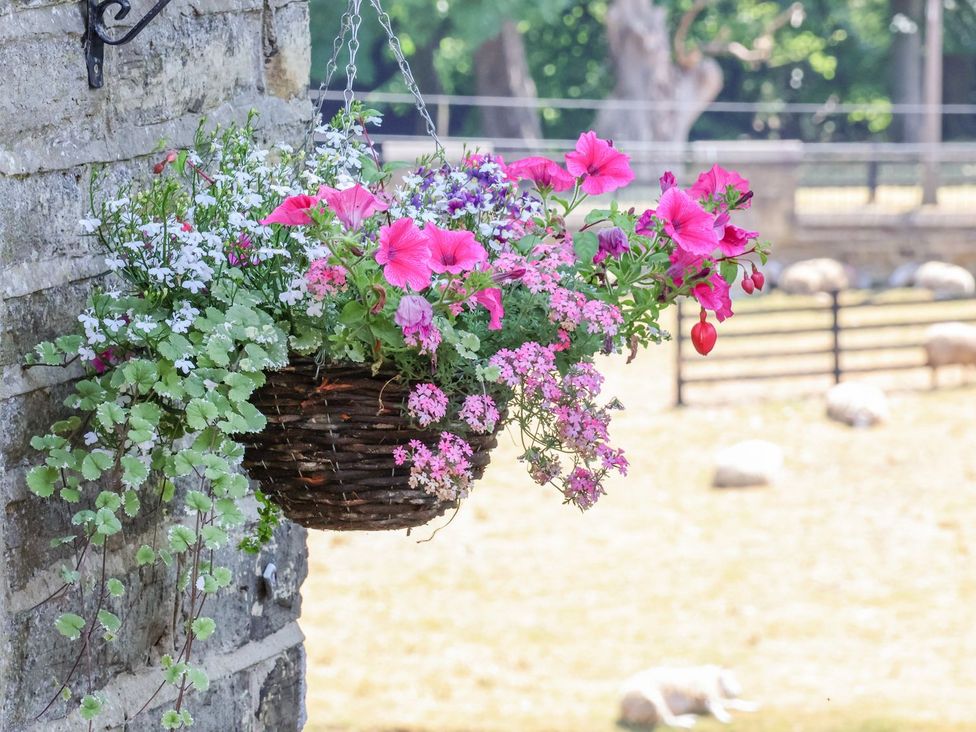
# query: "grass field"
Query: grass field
{"points": [[844, 596]]}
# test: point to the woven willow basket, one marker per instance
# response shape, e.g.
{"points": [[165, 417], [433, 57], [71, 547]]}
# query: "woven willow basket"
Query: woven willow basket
{"points": [[326, 455]]}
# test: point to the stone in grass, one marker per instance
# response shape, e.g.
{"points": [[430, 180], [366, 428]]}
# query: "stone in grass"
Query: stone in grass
{"points": [[857, 404], [748, 463]]}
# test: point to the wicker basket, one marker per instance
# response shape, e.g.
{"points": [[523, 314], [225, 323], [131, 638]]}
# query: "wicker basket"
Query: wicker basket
{"points": [[326, 455]]}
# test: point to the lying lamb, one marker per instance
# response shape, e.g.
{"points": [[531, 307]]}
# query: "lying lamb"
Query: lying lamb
{"points": [[672, 696], [949, 343]]}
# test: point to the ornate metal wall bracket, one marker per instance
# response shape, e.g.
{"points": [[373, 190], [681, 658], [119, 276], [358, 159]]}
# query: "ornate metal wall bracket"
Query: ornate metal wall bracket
{"points": [[96, 34]]}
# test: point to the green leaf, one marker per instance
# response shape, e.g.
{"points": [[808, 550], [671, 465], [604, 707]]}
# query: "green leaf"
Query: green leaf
{"points": [[387, 332], [198, 677], [253, 417], [229, 512], [200, 413], [70, 495], [167, 558], [214, 537], [207, 583], [147, 411], [109, 621], [171, 719], [109, 414], [180, 538], [48, 353], [70, 625], [68, 343], [145, 555], [91, 706], [352, 313], [109, 500], [585, 245], [131, 503], [95, 463], [198, 501], [223, 576], [241, 387], [218, 348], [134, 473], [41, 480], [175, 672], [729, 271], [70, 576], [169, 490], [203, 627], [115, 587], [141, 373], [185, 461], [106, 522]]}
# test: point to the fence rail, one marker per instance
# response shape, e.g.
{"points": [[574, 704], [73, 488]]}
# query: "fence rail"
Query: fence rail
{"points": [[863, 316]]}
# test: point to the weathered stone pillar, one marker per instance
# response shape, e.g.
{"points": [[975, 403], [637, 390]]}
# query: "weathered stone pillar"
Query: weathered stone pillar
{"points": [[200, 58]]}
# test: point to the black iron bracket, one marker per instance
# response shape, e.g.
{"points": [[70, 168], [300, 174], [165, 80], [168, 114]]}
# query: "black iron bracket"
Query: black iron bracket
{"points": [[96, 34]]}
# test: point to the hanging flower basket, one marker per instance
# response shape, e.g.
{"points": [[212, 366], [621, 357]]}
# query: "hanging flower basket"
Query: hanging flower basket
{"points": [[326, 456]]}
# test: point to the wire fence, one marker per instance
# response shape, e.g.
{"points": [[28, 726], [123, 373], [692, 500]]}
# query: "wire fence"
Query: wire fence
{"points": [[828, 336]]}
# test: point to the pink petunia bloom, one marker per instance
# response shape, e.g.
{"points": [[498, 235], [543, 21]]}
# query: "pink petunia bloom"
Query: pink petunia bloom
{"points": [[416, 317], [713, 184], [602, 168], [735, 240], [645, 224], [293, 211], [612, 242], [713, 294], [683, 264], [667, 181], [404, 254], [691, 226], [543, 172], [351, 205], [491, 298], [453, 251]]}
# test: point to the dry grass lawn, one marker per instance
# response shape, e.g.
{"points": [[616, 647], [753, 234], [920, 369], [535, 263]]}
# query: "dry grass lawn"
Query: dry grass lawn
{"points": [[844, 597]]}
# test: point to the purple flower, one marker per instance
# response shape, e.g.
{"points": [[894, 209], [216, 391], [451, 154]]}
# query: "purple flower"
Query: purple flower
{"points": [[414, 312], [667, 181], [613, 243]]}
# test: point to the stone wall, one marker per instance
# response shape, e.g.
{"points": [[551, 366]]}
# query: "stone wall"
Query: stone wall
{"points": [[199, 58]]}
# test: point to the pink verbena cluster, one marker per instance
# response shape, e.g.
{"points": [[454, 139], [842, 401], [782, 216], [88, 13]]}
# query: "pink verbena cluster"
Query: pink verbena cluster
{"points": [[480, 413], [444, 471], [427, 404], [324, 279], [566, 420]]}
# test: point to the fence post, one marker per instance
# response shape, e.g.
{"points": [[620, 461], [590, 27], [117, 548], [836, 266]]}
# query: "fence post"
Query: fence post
{"points": [[835, 330], [678, 337]]}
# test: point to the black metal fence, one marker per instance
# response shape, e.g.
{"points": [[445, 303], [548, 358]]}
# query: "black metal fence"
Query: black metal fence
{"points": [[831, 335]]}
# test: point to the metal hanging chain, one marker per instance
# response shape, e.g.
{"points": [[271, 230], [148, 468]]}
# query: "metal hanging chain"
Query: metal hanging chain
{"points": [[331, 67], [355, 20], [394, 42]]}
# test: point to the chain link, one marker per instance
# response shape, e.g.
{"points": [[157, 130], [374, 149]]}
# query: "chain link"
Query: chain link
{"points": [[331, 67], [355, 20], [394, 42]]}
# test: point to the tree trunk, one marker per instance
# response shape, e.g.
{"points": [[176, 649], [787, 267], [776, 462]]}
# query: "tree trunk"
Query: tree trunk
{"points": [[640, 45], [906, 65], [501, 70]]}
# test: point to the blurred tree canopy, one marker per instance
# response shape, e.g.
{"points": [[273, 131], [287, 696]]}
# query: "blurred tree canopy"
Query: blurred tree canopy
{"points": [[843, 52]]}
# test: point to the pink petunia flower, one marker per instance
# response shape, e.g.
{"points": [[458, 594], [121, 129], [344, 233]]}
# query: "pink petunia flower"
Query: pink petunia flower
{"points": [[685, 221], [713, 184], [735, 240], [416, 317], [713, 294], [612, 242], [453, 251], [351, 205], [543, 172], [491, 298], [601, 167], [667, 181], [293, 211], [404, 254]]}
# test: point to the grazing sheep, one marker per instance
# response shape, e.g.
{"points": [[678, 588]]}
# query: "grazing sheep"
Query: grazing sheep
{"points": [[857, 404], [947, 344], [814, 275], [945, 279], [672, 696]]}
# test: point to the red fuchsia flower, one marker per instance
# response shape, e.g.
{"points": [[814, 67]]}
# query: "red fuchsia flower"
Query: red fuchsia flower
{"points": [[713, 294], [703, 335], [453, 251], [685, 221], [612, 243], [404, 253], [714, 183], [491, 298], [543, 172], [351, 205], [324, 279], [667, 181], [734, 240], [601, 167], [293, 211]]}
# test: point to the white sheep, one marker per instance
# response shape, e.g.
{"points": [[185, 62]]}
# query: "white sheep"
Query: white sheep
{"points": [[672, 696], [811, 276], [945, 280], [947, 344]]}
